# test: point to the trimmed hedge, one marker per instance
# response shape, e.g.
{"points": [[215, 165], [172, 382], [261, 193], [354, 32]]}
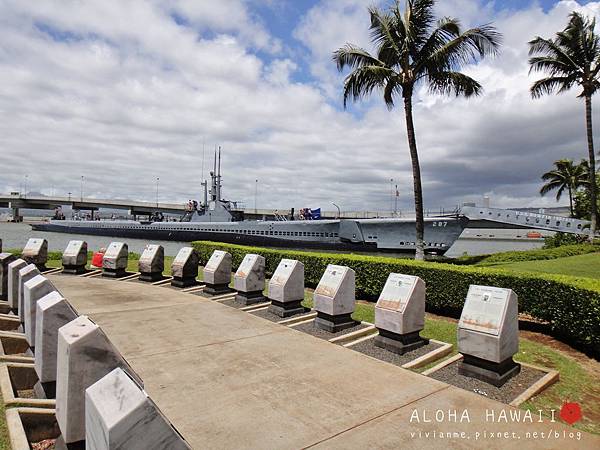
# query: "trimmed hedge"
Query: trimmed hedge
{"points": [[571, 306], [528, 255]]}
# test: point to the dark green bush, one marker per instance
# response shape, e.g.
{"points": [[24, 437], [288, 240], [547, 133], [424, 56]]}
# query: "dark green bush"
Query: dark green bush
{"points": [[570, 306], [560, 239]]}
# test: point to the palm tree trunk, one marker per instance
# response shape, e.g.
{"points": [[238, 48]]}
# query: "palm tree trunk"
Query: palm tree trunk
{"points": [[571, 201], [592, 156], [414, 156]]}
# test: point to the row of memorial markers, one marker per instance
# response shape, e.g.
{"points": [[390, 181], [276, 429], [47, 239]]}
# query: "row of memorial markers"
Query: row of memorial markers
{"points": [[64, 344]]}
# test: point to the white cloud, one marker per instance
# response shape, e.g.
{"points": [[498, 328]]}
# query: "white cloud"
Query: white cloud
{"points": [[122, 94]]}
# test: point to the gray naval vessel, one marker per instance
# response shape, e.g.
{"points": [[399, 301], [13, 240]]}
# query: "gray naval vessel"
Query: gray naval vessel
{"points": [[215, 220]]}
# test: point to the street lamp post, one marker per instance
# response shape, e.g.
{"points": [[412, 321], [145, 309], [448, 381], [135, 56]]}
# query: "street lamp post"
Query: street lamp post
{"points": [[396, 201], [391, 195], [338, 209], [255, 195], [26, 180], [157, 180], [82, 187]]}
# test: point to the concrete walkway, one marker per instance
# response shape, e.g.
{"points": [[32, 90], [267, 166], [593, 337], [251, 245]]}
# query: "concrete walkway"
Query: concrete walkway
{"points": [[228, 379]]}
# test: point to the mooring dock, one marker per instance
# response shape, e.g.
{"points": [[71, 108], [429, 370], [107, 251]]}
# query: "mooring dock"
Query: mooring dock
{"points": [[227, 379]]}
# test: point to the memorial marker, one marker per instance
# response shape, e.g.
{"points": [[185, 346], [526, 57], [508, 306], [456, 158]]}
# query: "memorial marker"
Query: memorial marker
{"points": [[36, 252], [334, 299], [249, 280], [74, 257], [120, 415], [13, 283], [114, 263], [5, 260], [286, 289], [217, 273], [25, 274], [33, 290], [400, 314], [488, 334], [185, 268], [53, 311], [152, 263], [85, 354]]}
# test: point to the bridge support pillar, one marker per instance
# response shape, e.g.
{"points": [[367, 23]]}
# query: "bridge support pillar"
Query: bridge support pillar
{"points": [[16, 215]]}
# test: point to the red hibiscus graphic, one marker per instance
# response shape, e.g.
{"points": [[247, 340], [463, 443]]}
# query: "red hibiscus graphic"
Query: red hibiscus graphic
{"points": [[570, 412]]}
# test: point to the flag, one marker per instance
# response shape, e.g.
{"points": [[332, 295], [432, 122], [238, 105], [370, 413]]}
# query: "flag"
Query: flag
{"points": [[316, 214]]}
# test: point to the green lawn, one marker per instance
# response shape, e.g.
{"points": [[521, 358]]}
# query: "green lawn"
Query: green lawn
{"points": [[579, 266]]}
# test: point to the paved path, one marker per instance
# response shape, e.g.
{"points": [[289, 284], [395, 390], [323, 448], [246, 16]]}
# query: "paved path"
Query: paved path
{"points": [[228, 379]]}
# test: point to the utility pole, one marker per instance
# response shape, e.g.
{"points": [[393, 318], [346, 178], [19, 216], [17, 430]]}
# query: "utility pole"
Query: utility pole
{"points": [[82, 177], [157, 180], [26, 179], [396, 201], [391, 194], [255, 196]]}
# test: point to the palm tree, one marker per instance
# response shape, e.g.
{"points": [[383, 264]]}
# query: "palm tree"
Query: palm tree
{"points": [[566, 176], [572, 58], [412, 48]]}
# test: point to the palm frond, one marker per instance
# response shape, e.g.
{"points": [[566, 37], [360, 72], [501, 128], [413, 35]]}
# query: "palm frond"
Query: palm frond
{"points": [[362, 81], [550, 85], [447, 83], [353, 57], [388, 35]]}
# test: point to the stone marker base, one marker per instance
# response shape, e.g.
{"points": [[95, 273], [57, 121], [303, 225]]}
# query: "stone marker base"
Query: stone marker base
{"points": [[333, 324], [150, 276], [74, 270], [399, 343], [490, 372], [41, 267], [183, 282], [114, 273], [216, 289], [250, 298], [286, 309]]}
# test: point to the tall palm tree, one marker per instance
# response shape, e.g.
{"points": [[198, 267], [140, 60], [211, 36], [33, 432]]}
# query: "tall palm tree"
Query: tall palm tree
{"points": [[566, 176], [572, 58], [414, 48]]}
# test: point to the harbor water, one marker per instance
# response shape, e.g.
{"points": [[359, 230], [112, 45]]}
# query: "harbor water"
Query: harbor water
{"points": [[471, 241]]}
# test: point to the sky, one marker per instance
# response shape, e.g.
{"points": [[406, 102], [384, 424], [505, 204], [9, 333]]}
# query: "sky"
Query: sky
{"points": [[123, 93]]}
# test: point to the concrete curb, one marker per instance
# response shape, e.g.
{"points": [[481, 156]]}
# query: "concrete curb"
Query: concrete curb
{"points": [[9, 322], [24, 377], [293, 320], [256, 306], [51, 271], [193, 289], [93, 273], [445, 363], [129, 277], [4, 307], [11, 347], [369, 330], [433, 355], [27, 425], [551, 377], [161, 282]]}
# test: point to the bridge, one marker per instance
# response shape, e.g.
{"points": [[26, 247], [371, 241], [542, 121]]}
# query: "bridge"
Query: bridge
{"points": [[17, 201]]}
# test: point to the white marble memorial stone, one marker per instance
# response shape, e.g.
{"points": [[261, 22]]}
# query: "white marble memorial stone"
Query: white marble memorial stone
{"points": [[287, 283], [152, 262], [36, 251], [120, 415], [85, 354], [25, 274], [217, 272], [74, 257], [488, 332], [401, 305], [13, 283], [34, 290], [53, 312], [5, 260], [334, 298], [250, 276], [185, 267], [286, 289], [115, 259]]}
